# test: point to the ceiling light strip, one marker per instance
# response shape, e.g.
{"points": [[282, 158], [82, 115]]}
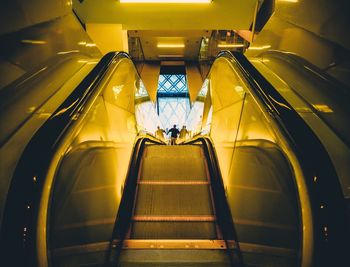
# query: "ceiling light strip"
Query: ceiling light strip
{"points": [[259, 47], [171, 56], [230, 45], [168, 1], [170, 45]]}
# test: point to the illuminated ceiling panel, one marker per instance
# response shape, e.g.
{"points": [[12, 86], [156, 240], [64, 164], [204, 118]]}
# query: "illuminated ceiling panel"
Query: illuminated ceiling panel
{"points": [[218, 14], [168, 1]]}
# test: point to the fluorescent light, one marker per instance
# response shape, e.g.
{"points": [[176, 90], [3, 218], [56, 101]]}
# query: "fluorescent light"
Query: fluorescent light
{"points": [[68, 52], [33, 42], [170, 45], [259, 47], [230, 45], [171, 56], [168, 1]]}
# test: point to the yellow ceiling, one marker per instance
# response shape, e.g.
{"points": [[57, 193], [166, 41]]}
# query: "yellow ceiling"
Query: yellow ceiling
{"points": [[150, 39], [219, 14]]}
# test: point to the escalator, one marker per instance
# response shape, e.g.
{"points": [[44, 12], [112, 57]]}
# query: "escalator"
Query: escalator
{"points": [[91, 189], [174, 221]]}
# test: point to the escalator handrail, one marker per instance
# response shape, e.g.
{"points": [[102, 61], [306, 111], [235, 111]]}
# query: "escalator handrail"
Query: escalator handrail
{"points": [[328, 207], [124, 214], [340, 91], [223, 212], [18, 231], [306, 66]]}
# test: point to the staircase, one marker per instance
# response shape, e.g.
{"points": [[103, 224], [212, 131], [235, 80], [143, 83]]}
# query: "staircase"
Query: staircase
{"points": [[174, 220]]}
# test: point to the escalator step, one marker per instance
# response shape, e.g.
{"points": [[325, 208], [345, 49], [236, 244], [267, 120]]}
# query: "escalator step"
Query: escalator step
{"points": [[179, 182], [173, 230], [177, 218], [188, 258], [173, 200], [192, 151], [165, 168]]}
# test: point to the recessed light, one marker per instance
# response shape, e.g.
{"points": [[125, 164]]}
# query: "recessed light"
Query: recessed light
{"points": [[168, 1], [259, 47], [230, 45], [170, 45], [171, 56], [33, 42]]}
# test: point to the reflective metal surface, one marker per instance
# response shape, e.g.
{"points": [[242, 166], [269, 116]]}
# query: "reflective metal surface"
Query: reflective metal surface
{"points": [[28, 50], [319, 99], [26, 106], [315, 30]]}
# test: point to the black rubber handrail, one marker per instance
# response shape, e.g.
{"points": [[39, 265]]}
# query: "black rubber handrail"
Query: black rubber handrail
{"points": [[223, 212], [340, 91], [307, 67], [18, 231], [328, 206], [124, 214]]}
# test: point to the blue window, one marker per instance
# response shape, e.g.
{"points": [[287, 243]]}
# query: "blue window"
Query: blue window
{"points": [[173, 104]]}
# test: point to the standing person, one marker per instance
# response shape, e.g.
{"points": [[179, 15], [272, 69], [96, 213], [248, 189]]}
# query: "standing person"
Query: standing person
{"points": [[183, 133], [160, 133], [174, 133]]}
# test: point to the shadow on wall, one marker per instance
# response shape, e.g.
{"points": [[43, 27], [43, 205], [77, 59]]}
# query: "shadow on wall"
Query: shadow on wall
{"points": [[311, 29], [25, 50]]}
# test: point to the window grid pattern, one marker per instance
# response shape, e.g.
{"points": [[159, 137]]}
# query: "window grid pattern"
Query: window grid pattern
{"points": [[172, 84], [172, 99], [173, 110]]}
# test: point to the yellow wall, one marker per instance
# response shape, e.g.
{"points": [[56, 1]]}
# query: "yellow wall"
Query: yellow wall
{"points": [[314, 30], [150, 76], [194, 80], [108, 37], [19, 14]]}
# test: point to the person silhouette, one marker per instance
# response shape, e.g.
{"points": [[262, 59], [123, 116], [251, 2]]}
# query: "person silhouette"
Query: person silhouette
{"points": [[160, 133], [183, 133], [174, 133]]}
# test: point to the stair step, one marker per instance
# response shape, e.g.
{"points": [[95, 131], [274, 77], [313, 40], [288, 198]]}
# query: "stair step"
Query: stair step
{"points": [[173, 230], [181, 200], [188, 151], [174, 244], [174, 258], [162, 182], [175, 218], [164, 168]]}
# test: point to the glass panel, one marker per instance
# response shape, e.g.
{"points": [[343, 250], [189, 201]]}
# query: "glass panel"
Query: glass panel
{"points": [[260, 188], [89, 181], [173, 101], [172, 83], [194, 119], [173, 110], [258, 178], [146, 117]]}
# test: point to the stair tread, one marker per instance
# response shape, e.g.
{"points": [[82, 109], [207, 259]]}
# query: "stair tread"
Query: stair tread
{"points": [[174, 169], [187, 258], [165, 200], [173, 230], [175, 218], [189, 243]]}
